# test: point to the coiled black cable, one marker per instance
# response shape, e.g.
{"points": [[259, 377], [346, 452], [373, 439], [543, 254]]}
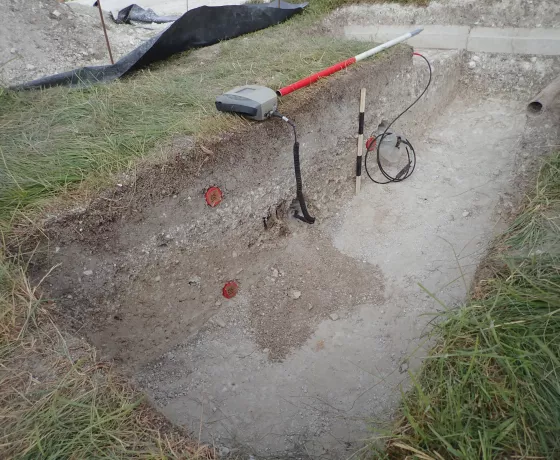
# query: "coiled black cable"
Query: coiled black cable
{"points": [[408, 169], [307, 218]]}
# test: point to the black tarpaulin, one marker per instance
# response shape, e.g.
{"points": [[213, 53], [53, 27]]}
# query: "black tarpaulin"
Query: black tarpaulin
{"points": [[136, 13], [203, 26]]}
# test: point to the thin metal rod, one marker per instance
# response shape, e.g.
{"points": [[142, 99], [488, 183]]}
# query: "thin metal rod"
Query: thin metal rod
{"points": [[105, 31]]}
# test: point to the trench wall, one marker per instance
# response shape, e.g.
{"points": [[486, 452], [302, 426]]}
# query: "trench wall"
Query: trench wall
{"points": [[129, 260]]}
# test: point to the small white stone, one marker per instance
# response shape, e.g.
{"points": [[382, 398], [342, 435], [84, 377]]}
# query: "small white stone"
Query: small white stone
{"points": [[88, 272], [30, 67], [266, 350], [334, 316], [234, 254], [274, 273], [195, 281], [476, 58], [466, 213], [472, 65], [13, 51], [218, 303], [220, 322], [157, 279], [56, 14], [295, 294], [534, 59]]}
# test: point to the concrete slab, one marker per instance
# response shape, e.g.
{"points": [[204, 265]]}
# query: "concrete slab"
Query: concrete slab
{"points": [[536, 41], [515, 41], [434, 37]]}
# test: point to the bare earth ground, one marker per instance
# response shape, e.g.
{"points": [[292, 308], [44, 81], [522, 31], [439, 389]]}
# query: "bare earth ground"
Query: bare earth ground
{"points": [[434, 229], [47, 37], [43, 38], [319, 337]]}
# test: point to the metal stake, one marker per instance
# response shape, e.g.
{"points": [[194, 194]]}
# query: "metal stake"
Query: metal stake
{"points": [[105, 31]]}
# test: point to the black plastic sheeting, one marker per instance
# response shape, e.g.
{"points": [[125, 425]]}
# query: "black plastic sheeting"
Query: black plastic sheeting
{"points": [[136, 13], [203, 26]]}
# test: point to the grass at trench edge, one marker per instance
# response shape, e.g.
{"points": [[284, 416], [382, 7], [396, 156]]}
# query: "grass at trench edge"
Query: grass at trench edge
{"points": [[490, 389], [53, 140], [57, 400]]}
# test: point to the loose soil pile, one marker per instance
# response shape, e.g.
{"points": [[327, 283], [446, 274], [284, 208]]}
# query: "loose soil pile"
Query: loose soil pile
{"points": [[47, 37]]}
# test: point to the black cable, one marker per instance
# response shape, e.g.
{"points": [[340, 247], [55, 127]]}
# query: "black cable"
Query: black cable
{"points": [[411, 154], [307, 218]]}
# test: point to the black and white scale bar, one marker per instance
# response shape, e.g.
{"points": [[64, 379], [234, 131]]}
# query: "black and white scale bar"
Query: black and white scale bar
{"points": [[360, 140]]}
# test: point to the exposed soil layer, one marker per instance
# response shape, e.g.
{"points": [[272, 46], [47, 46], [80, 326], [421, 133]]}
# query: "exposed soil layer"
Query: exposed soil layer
{"points": [[320, 332], [46, 37], [142, 268]]}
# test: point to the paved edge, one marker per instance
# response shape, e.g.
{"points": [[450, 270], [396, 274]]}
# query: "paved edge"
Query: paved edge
{"points": [[478, 39]]}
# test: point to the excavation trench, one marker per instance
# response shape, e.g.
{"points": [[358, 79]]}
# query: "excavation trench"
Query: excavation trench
{"points": [[318, 337]]}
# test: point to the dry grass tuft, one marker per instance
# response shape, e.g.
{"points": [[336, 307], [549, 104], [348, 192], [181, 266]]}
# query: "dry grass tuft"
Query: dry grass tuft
{"points": [[490, 388], [57, 400]]}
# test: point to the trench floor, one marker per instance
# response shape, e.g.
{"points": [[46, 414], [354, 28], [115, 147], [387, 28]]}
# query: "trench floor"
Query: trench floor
{"points": [[263, 376]]}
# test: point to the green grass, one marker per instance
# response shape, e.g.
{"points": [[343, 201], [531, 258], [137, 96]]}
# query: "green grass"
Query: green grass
{"points": [[54, 139], [56, 399], [491, 387]]}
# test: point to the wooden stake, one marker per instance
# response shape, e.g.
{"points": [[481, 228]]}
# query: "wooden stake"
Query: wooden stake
{"points": [[360, 140], [105, 31]]}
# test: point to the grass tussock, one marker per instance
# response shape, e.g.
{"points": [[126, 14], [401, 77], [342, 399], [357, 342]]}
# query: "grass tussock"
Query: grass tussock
{"points": [[58, 401], [491, 387], [53, 139]]}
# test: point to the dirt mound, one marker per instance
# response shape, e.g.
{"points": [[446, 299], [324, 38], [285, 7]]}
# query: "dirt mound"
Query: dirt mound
{"points": [[48, 37]]}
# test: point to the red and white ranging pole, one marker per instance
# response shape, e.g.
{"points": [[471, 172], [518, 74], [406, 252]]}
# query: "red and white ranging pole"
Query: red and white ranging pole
{"points": [[342, 65]]}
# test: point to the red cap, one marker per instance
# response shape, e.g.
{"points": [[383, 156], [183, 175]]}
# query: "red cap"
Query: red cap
{"points": [[213, 196], [230, 289], [370, 144]]}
